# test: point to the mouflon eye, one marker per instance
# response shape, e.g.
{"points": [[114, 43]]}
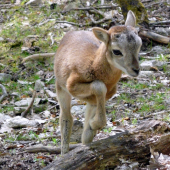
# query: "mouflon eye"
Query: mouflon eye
{"points": [[117, 52]]}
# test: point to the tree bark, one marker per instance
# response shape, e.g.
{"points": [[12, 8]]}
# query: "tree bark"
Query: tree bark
{"points": [[131, 145], [137, 7]]}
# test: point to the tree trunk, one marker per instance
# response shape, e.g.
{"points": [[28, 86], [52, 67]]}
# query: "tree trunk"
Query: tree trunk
{"points": [[131, 145], [137, 7]]}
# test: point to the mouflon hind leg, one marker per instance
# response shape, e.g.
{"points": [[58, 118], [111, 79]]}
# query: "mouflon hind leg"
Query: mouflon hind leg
{"points": [[66, 120]]}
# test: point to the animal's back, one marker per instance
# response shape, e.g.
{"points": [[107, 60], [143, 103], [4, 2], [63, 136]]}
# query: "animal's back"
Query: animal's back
{"points": [[77, 46]]}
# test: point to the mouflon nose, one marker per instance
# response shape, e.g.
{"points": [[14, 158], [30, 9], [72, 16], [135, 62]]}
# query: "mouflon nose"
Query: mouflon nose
{"points": [[136, 70]]}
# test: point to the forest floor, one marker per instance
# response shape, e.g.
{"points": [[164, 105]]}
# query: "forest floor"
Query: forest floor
{"points": [[27, 30]]}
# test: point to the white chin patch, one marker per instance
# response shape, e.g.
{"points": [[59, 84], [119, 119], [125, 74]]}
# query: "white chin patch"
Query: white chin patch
{"points": [[121, 68]]}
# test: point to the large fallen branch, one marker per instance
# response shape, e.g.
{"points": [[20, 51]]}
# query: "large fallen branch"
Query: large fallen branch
{"points": [[156, 37], [131, 145]]}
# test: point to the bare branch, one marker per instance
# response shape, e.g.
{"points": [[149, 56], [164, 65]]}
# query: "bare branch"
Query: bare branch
{"points": [[50, 149], [92, 8], [97, 12], [95, 1], [151, 5], [160, 22], [72, 23], [153, 114], [24, 114], [97, 22], [37, 56]]}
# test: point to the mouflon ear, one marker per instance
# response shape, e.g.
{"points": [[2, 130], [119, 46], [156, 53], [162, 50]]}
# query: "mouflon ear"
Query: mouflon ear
{"points": [[131, 19], [101, 34]]}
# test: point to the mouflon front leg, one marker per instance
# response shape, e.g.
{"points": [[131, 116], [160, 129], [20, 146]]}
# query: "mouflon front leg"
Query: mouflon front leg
{"points": [[66, 120], [99, 120], [88, 133], [94, 93]]}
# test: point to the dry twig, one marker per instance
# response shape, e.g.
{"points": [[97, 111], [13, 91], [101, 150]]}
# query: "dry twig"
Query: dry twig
{"points": [[24, 114], [50, 149], [37, 56], [151, 5], [160, 22], [92, 8]]}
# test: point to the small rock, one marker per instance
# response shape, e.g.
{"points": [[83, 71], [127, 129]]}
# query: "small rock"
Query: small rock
{"points": [[27, 101], [21, 103], [162, 31], [24, 82], [77, 131], [34, 2], [15, 94], [70, 6], [165, 82], [4, 128], [51, 94], [36, 101], [160, 64], [2, 65], [19, 110], [54, 102], [39, 85], [3, 117], [167, 101], [66, 27], [25, 23], [23, 49], [1, 39], [80, 109], [20, 122], [40, 73], [46, 114], [5, 77], [148, 65], [157, 50], [145, 74]]}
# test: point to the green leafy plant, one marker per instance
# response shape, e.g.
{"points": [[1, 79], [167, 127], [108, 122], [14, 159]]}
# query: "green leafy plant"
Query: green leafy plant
{"points": [[55, 141], [108, 130], [134, 121]]}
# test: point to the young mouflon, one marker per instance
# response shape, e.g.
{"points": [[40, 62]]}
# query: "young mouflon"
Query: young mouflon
{"points": [[88, 66]]}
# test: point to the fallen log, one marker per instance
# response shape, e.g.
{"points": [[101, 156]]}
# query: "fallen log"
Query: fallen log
{"points": [[153, 36], [108, 153]]}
